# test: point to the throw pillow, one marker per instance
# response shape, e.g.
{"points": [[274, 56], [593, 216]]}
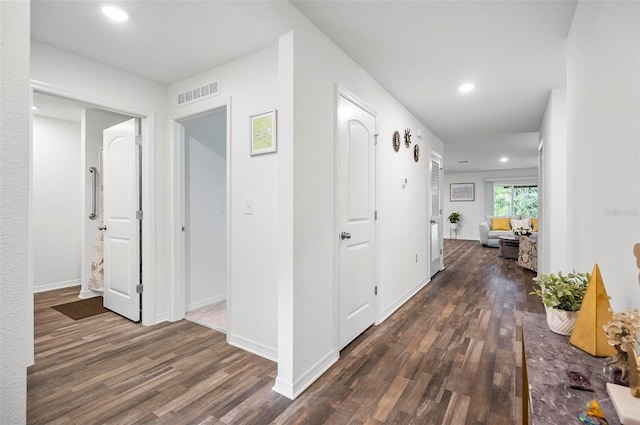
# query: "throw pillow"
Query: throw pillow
{"points": [[534, 224], [500, 223], [524, 223]]}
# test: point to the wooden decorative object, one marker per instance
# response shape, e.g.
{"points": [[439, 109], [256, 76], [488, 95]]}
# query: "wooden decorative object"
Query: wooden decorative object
{"points": [[588, 334], [407, 138], [634, 370], [396, 141]]}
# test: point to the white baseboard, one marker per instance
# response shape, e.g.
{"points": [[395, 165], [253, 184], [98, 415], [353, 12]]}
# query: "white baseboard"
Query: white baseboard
{"points": [[89, 293], [55, 285], [206, 302], [292, 390], [254, 347], [384, 315], [164, 317]]}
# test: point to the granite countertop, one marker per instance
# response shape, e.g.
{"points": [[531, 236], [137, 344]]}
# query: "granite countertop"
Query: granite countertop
{"points": [[548, 356]]}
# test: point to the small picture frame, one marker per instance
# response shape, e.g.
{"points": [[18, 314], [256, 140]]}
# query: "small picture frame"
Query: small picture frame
{"points": [[264, 132], [462, 192]]}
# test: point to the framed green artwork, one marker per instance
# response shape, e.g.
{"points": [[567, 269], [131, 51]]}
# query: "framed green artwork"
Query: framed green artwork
{"points": [[264, 133]]}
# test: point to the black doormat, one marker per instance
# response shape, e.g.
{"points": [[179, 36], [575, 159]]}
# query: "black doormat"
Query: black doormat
{"points": [[82, 308]]}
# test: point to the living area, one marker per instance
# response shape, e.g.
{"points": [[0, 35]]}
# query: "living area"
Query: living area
{"points": [[500, 209]]}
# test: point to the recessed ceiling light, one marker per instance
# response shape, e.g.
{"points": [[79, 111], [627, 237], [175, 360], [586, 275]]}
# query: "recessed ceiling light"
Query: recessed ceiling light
{"points": [[504, 159], [34, 108], [115, 13], [466, 88]]}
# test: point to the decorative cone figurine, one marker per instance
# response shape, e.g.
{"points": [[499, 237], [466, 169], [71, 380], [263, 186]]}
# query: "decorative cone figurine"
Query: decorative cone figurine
{"points": [[588, 334]]}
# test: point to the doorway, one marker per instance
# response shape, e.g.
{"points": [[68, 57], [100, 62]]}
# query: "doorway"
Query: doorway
{"points": [[435, 215], [205, 218], [356, 232], [90, 120]]}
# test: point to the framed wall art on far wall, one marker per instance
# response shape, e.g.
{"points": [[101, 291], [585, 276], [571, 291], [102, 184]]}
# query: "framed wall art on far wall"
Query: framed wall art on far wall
{"points": [[264, 132], [462, 192]]}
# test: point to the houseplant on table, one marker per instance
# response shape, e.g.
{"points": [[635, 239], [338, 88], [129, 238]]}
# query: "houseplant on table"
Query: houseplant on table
{"points": [[454, 218], [562, 297]]}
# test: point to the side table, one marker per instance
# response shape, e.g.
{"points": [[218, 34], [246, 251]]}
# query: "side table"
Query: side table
{"points": [[508, 247]]}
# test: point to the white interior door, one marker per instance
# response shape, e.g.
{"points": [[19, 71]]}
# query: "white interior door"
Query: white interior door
{"points": [[356, 208], [121, 179], [435, 217]]}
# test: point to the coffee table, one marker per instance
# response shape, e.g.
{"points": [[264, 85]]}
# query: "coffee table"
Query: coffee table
{"points": [[508, 247]]}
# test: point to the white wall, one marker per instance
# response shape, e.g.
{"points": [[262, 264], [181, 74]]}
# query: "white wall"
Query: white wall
{"points": [[16, 307], [93, 123], [66, 74], [206, 197], [553, 201], [252, 84], [56, 203], [309, 342], [473, 212], [603, 156], [287, 246]]}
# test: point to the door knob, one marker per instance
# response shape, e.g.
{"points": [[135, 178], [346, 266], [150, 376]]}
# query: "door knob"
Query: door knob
{"points": [[102, 227], [433, 222], [345, 235]]}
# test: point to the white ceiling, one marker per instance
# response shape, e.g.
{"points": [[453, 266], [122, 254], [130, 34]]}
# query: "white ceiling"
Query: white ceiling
{"points": [[420, 51]]}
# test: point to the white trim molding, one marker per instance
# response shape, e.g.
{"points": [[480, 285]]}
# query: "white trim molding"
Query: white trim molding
{"points": [[56, 285], [294, 389], [254, 347]]}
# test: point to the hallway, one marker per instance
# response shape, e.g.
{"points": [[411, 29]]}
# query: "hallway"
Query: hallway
{"points": [[451, 355]]}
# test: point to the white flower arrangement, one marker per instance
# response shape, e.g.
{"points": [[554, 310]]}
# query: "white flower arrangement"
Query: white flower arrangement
{"points": [[522, 231]]}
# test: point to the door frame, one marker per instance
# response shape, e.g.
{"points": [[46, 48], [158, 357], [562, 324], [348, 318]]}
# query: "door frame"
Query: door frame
{"points": [[435, 155], [177, 238], [341, 91], [148, 129]]}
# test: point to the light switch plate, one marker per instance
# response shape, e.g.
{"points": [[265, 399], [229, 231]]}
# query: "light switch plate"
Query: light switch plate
{"points": [[248, 206]]}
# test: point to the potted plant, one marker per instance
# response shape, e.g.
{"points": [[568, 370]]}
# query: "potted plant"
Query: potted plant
{"points": [[454, 218], [562, 297]]}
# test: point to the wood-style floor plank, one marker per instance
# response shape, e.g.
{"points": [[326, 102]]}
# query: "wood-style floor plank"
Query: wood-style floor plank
{"points": [[451, 355]]}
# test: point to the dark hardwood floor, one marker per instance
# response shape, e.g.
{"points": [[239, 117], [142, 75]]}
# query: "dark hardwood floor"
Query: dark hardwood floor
{"points": [[451, 355]]}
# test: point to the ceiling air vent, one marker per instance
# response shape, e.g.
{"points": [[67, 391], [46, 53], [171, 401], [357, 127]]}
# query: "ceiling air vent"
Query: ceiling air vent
{"points": [[199, 93]]}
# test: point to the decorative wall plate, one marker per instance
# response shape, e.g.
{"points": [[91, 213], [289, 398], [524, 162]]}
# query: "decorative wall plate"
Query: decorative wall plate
{"points": [[416, 153], [407, 138], [396, 141]]}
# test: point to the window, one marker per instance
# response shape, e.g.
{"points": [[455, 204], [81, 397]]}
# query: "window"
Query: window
{"points": [[515, 199]]}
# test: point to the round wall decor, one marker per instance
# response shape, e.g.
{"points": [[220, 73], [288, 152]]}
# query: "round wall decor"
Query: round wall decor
{"points": [[407, 138], [416, 153], [396, 141]]}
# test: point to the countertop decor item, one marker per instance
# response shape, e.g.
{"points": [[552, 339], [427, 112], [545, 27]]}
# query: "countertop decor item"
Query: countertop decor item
{"points": [[634, 369], [622, 333], [562, 297], [626, 406], [588, 334]]}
